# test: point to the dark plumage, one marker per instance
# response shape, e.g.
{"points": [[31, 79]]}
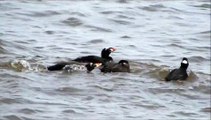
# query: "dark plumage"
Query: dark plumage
{"points": [[121, 66], [96, 59], [58, 66], [180, 73]]}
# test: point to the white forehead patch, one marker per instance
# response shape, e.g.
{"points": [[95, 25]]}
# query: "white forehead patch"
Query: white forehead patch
{"points": [[185, 62], [112, 49]]}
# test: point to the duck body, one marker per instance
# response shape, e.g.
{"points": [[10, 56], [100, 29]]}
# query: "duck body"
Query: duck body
{"points": [[121, 66], [96, 59], [70, 67], [93, 59], [58, 66], [177, 74], [180, 73]]}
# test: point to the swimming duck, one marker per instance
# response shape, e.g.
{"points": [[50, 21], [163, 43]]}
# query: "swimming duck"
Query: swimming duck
{"points": [[180, 73]]}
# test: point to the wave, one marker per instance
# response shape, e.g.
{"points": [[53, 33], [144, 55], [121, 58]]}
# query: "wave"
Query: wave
{"points": [[97, 28], [46, 13], [2, 50], [73, 22], [24, 65], [198, 59], [2, 45], [137, 68]]}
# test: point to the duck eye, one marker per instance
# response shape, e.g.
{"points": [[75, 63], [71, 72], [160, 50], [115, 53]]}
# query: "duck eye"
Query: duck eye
{"points": [[185, 62]]}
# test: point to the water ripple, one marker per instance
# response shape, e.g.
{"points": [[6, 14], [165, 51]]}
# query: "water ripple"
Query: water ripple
{"points": [[73, 22], [152, 35]]}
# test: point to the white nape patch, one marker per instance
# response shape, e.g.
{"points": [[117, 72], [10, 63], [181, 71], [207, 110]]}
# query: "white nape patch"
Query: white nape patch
{"points": [[185, 62]]}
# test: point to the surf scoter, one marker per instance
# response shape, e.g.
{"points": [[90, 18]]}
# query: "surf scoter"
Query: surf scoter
{"points": [[121, 66], [96, 59], [72, 67], [180, 73]]}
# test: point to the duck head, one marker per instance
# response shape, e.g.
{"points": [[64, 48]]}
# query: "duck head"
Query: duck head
{"points": [[106, 52], [184, 63]]}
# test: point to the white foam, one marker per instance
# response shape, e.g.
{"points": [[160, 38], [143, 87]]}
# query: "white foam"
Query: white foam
{"points": [[21, 65]]}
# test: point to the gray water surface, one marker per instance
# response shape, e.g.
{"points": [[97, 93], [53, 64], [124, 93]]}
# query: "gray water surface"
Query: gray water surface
{"points": [[153, 35]]}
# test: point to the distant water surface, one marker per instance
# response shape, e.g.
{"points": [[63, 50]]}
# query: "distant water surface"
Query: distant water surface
{"points": [[153, 35]]}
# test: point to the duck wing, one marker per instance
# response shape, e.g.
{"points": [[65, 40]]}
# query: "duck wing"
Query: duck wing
{"points": [[90, 58], [58, 66], [176, 74]]}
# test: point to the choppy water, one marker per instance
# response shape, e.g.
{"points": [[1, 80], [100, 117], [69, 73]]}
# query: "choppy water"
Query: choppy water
{"points": [[152, 35]]}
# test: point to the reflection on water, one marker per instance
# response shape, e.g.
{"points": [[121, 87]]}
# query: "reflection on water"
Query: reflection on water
{"points": [[153, 35]]}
